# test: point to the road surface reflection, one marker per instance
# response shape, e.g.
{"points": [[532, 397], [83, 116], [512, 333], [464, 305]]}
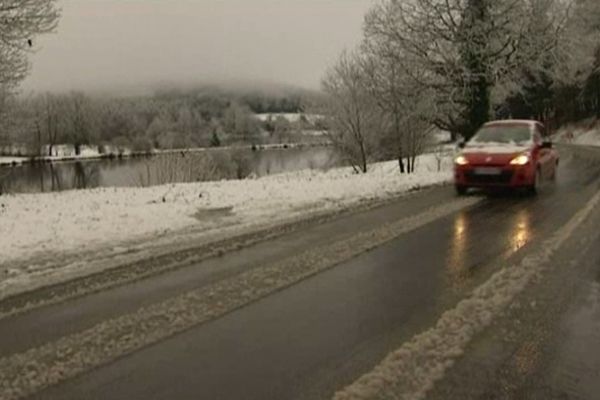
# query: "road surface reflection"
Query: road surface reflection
{"points": [[521, 233], [514, 233], [457, 263]]}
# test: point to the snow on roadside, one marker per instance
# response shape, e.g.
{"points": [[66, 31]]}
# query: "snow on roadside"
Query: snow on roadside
{"points": [[579, 135], [32, 224], [71, 355], [412, 370], [11, 160], [589, 138]]}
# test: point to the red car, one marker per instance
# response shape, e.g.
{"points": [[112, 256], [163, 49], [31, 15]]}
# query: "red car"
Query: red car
{"points": [[506, 154]]}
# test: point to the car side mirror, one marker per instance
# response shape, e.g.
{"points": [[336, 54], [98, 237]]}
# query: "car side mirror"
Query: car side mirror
{"points": [[547, 145]]}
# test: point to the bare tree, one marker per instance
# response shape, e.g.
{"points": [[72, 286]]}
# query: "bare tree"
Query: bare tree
{"points": [[407, 108], [353, 117], [22, 21], [239, 122], [81, 120], [48, 117], [190, 167]]}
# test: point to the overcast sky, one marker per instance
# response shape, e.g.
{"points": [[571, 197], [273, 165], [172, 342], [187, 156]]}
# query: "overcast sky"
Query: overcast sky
{"points": [[106, 44]]}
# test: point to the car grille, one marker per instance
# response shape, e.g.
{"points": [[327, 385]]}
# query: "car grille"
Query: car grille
{"points": [[504, 178]]}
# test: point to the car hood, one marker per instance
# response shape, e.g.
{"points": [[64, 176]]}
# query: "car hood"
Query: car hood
{"points": [[492, 155]]}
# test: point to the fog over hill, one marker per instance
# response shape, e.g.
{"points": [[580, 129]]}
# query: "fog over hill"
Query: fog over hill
{"points": [[151, 88], [129, 47]]}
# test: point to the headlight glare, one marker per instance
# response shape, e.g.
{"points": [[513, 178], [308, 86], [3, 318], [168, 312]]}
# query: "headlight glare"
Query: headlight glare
{"points": [[520, 160], [461, 160]]}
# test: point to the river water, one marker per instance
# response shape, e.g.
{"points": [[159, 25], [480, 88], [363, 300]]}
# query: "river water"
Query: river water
{"points": [[167, 168]]}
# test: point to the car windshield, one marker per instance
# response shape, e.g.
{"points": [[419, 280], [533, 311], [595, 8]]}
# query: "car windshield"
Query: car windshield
{"points": [[502, 135]]}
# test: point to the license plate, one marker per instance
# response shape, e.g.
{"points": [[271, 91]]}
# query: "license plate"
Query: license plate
{"points": [[488, 171]]}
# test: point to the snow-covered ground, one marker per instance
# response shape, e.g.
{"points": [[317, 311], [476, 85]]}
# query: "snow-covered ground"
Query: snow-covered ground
{"points": [[34, 224], [587, 136], [11, 160]]}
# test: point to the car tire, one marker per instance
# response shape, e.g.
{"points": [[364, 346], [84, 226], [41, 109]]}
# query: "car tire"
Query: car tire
{"points": [[460, 190]]}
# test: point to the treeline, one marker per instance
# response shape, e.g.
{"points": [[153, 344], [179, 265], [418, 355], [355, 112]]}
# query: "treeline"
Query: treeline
{"points": [[168, 119], [455, 64]]}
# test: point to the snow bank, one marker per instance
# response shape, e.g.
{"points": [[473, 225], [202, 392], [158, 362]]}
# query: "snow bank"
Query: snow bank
{"points": [[589, 138], [46, 223], [579, 135], [65, 358], [11, 160]]}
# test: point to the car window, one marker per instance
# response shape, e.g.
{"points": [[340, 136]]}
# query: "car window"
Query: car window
{"points": [[516, 134]]}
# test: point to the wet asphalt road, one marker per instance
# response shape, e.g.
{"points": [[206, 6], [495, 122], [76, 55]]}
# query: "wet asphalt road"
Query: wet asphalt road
{"points": [[547, 345], [321, 334]]}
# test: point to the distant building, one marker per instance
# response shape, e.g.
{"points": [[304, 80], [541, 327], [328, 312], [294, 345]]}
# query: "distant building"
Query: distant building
{"points": [[58, 150], [17, 150], [290, 117], [89, 151]]}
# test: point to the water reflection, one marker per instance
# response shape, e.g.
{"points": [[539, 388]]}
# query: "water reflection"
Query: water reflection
{"points": [[177, 167], [48, 177], [518, 232], [85, 175]]}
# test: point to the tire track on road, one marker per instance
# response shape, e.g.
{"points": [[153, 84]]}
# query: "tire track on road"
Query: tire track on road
{"points": [[411, 371], [107, 271], [26, 373]]}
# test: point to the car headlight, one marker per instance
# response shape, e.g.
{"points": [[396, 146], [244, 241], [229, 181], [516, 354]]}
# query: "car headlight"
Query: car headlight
{"points": [[520, 160], [461, 160]]}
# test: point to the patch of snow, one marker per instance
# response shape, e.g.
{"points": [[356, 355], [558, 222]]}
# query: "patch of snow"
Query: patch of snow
{"points": [[33, 225], [12, 160], [59, 150], [89, 151], [441, 136], [578, 135], [589, 138], [73, 354]]}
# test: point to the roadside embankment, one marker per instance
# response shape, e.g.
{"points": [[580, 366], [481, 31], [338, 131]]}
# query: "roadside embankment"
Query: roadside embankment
{"points": [[50, 237]]}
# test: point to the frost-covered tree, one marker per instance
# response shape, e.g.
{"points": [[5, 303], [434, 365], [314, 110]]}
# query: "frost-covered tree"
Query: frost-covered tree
{"points": [[49, 120], [562, 85], [406, 110], [22, 21], [81, 119], [353, 119], [239, 122], [581, 39], [463, 50]]}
